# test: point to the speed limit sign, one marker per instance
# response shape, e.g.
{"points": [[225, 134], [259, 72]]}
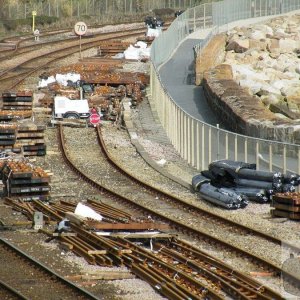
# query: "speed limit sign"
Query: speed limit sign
{"points": [[80, 28]]}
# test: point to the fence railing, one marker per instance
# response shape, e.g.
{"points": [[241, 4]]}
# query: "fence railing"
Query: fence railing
{"points": [[200, 143]]}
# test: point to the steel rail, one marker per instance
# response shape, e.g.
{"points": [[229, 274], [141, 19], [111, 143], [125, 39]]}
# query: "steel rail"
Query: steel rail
{"points": [[182, 280], [190, 207], [99, 38], [186, 229], [12, 292], [80, 291], [237, 285], [12, 81], [27, 37], [231, 283]]}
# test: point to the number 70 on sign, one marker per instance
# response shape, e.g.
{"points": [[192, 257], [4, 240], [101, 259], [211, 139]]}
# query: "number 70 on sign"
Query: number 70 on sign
{"points": [[80, 28]]}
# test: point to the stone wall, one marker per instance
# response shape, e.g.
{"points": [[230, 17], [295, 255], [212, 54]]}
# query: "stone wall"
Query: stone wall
{"points": [[243, 113], [240, 111]]}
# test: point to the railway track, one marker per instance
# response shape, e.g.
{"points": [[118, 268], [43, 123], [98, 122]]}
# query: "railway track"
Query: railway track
{"points": [[168, 204], [32, 62], [165, 203], [36, 281], [173, 267], [65, 40], [25, 43]]}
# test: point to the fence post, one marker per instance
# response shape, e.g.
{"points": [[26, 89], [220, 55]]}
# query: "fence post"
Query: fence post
{"points": [[198, 143], [246, 149], [270, 158], [203, 147], [284, 159], [204, 16], [235, 148], [209, 144], [194, 19], [218, 141], [257, 155]]}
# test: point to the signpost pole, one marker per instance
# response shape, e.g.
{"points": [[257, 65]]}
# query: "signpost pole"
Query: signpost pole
{"points": [[80, 29], [33, 20], [80, 46]]}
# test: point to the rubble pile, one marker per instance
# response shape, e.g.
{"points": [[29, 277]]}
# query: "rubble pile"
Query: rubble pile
{"points": [[103, 87], [23, 181]]}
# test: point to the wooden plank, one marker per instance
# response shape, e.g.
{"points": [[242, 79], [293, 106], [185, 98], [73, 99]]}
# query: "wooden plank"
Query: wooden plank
{"points": [[139, 235], [126, 251], [66, 246], [30, 134], [97, 252], [289, 199], [73, 123], [285, 214], [17, 103], [64, 234], [286, 207], [127, 226], [30, 142]]}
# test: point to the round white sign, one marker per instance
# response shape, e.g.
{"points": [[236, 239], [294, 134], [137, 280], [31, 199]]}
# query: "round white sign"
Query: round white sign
{"points": [[80, 28]]}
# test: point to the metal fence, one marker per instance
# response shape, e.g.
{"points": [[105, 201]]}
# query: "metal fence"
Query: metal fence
{"points": [[74, 8], [200, 143]]}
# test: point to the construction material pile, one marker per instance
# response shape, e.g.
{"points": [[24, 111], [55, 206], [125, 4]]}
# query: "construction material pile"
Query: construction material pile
{"points": [[16, 105], [23, 137], [21, 100], [231, 184], [100, 81], [24, 181], [286, 205]]}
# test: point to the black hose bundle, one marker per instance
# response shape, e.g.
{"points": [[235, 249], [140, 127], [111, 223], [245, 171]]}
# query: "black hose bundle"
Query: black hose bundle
{"points": [[240, 181], [220, 196]]}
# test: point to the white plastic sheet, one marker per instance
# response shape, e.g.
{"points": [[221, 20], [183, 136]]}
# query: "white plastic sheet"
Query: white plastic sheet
{"points": [[87, 212], [139, 52], [60, 78]]}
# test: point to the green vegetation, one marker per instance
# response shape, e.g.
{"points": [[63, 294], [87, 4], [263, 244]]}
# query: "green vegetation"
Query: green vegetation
{"points": [[12, 25], [16, 15]]}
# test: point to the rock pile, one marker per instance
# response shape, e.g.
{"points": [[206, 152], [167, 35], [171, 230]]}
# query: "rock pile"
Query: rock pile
{"points": [[265, 58], [263, 63]]}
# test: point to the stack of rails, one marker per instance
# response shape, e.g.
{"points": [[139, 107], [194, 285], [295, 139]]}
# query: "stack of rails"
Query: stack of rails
{"points": [[286, 205], [115, 78], [112, 48], [21, 101], [26, 138], [8, 137], [23, 181], [11, 115], [31, 138]]}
